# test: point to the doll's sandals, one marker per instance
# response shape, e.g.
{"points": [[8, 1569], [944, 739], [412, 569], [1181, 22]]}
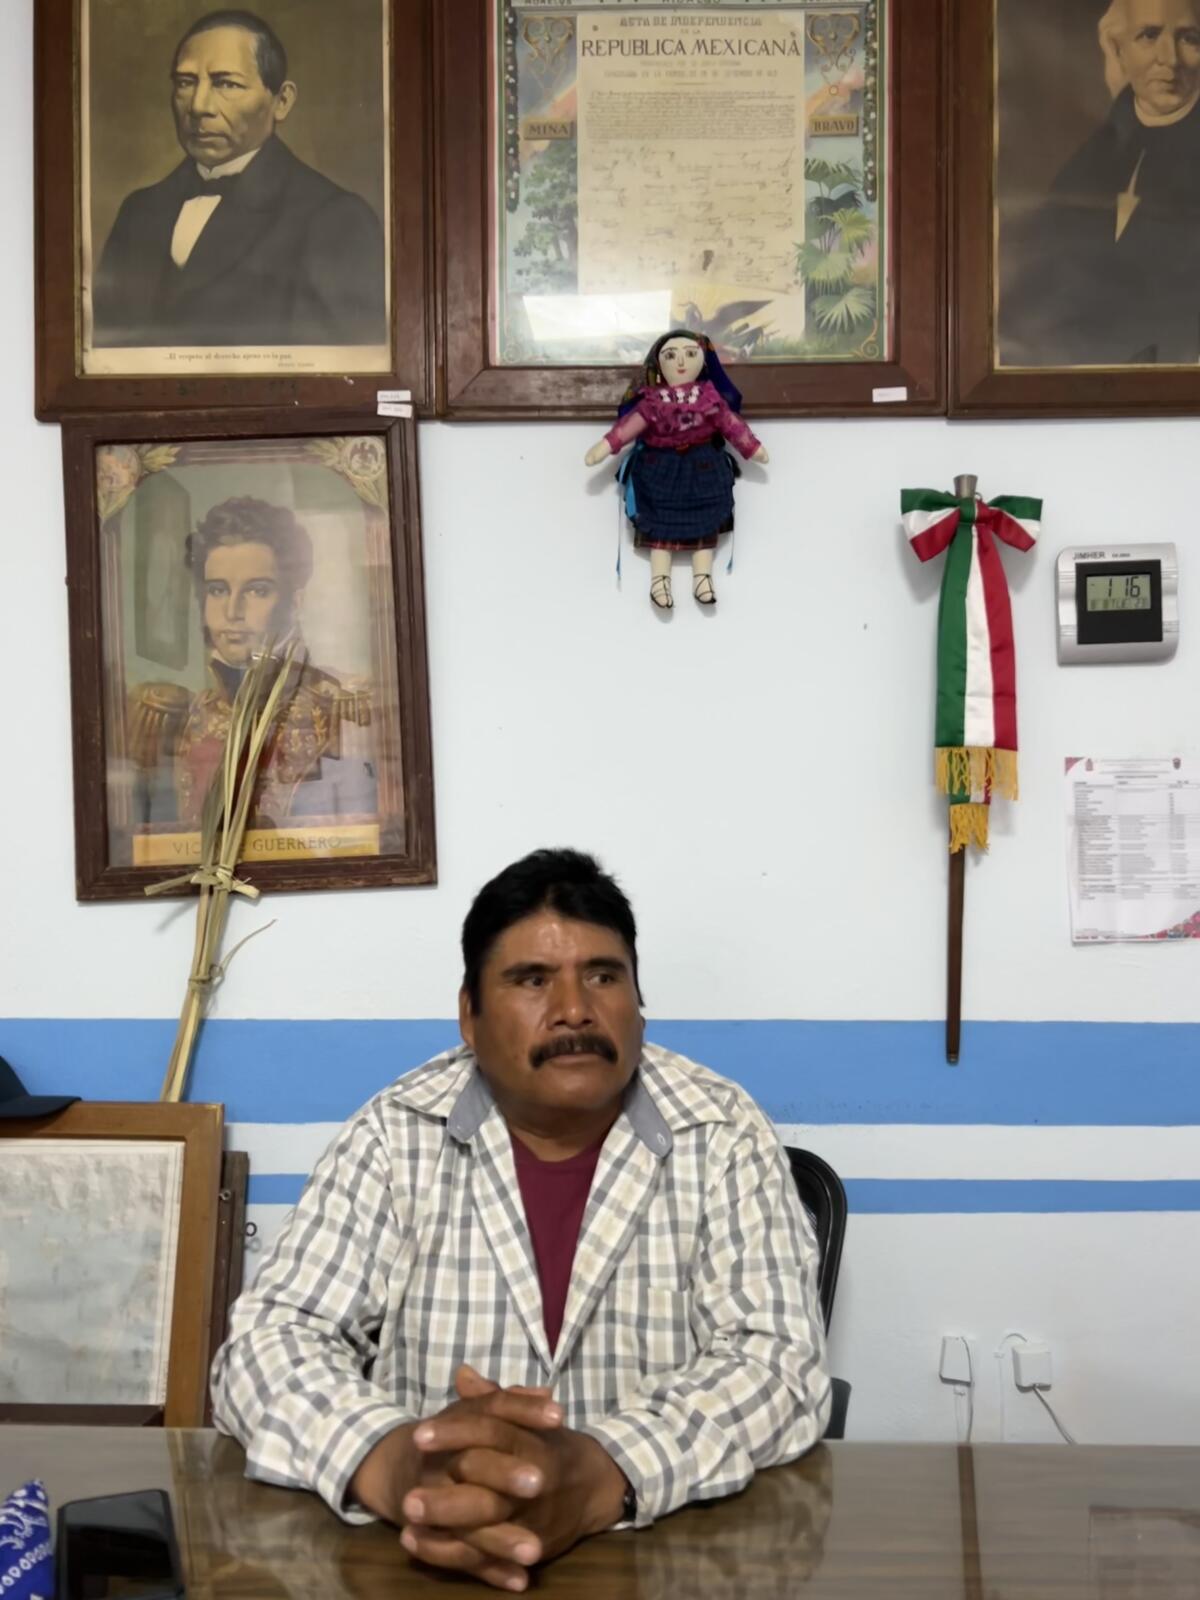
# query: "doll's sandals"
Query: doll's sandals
{"points": [[703, 590], [660, 593]]}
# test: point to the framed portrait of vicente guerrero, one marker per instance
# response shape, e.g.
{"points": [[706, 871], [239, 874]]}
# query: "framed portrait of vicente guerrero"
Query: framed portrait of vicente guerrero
{"points": [[1076, 207], [762, 172], [231, 203], [195, 544]]}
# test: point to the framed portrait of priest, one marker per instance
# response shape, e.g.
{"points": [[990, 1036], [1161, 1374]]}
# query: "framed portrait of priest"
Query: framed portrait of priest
{"points": [[231, 203], [195, 544], [763, 172], [1076, 207]]}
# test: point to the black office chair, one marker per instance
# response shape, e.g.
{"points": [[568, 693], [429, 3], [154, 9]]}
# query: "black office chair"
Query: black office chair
{"points": [[824, 1198]]}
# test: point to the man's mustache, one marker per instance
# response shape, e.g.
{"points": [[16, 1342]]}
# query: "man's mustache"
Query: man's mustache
{"points": [[574, 1044]]}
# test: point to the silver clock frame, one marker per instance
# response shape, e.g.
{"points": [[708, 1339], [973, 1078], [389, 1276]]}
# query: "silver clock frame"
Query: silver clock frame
{"points": [[1070, 651]]}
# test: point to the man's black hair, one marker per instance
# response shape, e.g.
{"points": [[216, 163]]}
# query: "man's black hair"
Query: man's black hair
{"points": [[268, 51], [245, 520], [566, 881]]}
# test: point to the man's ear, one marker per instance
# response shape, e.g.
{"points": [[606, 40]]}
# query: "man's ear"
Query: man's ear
{"points": [[284, 100], [466, 1018]]}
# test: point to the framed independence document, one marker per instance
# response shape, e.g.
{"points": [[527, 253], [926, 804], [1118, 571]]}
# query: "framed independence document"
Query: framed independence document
{"points": [[764, 173]]}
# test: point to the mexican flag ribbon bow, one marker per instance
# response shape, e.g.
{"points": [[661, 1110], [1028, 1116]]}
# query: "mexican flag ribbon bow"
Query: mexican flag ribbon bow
{"points": [[976, 734]]}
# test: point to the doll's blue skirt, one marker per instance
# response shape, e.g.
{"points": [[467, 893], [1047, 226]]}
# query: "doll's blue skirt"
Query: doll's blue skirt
{"points": [[680, 499]]}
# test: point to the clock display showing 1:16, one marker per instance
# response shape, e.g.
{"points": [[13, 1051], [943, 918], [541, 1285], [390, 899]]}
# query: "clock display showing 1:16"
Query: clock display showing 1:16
{"points": [[1126, 591]]}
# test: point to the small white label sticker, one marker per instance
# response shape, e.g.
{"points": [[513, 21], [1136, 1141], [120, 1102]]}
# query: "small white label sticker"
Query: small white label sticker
{"points": [[392, 397], [889, 397], [387, 409]]}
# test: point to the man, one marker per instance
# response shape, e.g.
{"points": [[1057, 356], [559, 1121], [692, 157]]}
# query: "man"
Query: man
{"points": [[1108, 272], [549, 1282], [242, 244], [251, 562]]}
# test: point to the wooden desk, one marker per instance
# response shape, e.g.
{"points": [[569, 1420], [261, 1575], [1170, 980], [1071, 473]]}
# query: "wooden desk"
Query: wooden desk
{"points": [[850, 1522]]}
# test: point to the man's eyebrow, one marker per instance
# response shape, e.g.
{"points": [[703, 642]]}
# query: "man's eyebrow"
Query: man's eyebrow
{"points": [[526, 969], [534, 969], [214, 72]]}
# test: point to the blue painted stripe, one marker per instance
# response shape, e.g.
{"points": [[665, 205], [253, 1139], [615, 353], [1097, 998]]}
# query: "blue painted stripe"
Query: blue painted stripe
{"points": [[274, 1188], [1015, 1073], [924, 1196]]}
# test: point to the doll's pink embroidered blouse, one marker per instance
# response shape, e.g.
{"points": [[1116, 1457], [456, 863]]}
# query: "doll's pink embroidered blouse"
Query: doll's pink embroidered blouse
{"points": [[669, 416]]}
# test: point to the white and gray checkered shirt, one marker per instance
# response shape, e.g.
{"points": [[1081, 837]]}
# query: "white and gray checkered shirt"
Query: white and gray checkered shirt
{"points": [[692, 1345]]}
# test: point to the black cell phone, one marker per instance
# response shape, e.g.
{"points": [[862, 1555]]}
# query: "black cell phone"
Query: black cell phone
{"points": [[118, 1547]]}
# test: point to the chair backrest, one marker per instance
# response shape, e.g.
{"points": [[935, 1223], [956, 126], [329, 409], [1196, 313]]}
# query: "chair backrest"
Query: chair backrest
{"points": [[824, 1198]]}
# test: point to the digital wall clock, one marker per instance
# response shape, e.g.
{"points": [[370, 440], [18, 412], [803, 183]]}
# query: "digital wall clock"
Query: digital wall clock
{"points": [[1117, 603]]}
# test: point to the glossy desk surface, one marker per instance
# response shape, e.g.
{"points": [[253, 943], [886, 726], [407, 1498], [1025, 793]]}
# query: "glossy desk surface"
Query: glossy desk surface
{"points": [[905, 1522]]}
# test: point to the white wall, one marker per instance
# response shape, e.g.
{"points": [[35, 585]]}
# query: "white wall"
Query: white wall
{"points": [[1114, 1296], [762, 773], [758, 777]]}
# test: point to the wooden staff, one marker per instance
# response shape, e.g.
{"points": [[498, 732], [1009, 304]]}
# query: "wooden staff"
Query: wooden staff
{"points": [[964, 488]]}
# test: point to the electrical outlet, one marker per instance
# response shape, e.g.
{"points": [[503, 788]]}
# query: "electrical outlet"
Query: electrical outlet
{"points": [[955, 1365], [1032, 1366]]}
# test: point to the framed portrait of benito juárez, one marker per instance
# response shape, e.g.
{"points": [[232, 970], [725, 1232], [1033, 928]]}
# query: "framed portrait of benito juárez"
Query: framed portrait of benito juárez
{"points": [[1075, 285], [231, 203], [763, 172], [194, 544]]}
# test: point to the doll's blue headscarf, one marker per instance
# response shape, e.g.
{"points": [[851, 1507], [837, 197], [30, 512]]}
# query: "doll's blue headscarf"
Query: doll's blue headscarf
{"points": [[712, 369]]}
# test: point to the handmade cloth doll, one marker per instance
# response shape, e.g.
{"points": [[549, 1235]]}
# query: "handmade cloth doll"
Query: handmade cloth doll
{"points": [[678, 478]]}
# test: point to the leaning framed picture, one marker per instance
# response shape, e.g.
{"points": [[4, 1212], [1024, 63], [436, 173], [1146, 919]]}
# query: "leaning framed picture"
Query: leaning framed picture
{"points": [[109, 1217], [764, 172], [194, 542], [1075, 261], [231, 205]]}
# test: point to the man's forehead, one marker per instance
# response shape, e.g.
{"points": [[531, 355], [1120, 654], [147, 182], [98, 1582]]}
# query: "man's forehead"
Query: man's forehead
{"points": [[238, 557], [219, 49], [1160, 13], [548, 936]]}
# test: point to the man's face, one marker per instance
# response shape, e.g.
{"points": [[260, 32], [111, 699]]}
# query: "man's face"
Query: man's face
{"points": [[1159, 48], [559, 1029], [241, 599], [222, 107]]}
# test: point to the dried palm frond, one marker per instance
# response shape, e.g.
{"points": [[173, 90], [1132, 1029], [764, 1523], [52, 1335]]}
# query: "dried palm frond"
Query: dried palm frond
{"points": [[222, 829]]}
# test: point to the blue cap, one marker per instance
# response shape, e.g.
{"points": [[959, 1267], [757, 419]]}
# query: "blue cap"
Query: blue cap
{"points": [[14, 1102]]}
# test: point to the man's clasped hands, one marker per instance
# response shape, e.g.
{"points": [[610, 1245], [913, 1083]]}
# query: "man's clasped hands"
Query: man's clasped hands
{"points": [[493, 1484]]}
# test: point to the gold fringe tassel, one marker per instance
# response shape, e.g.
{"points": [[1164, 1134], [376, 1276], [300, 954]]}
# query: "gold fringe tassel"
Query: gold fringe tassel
{"points": [[975, 770], [968, 825]]}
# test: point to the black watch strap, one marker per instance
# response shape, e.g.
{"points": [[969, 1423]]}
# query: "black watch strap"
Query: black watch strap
{"points": [[629, 1505]]}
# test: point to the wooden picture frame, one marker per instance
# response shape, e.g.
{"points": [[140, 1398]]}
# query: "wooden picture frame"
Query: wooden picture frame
{"points": [[199, 1128], [911, 379], [1043, 321], [327, 504], [229, 1258], [383, 193]]}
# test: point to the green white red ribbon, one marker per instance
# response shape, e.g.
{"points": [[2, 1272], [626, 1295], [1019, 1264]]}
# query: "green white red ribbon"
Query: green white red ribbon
{"points": [[976, 725]]}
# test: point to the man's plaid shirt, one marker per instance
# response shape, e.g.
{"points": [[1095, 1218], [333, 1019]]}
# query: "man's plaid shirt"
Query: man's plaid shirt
{"points": [[692, 1345]]}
